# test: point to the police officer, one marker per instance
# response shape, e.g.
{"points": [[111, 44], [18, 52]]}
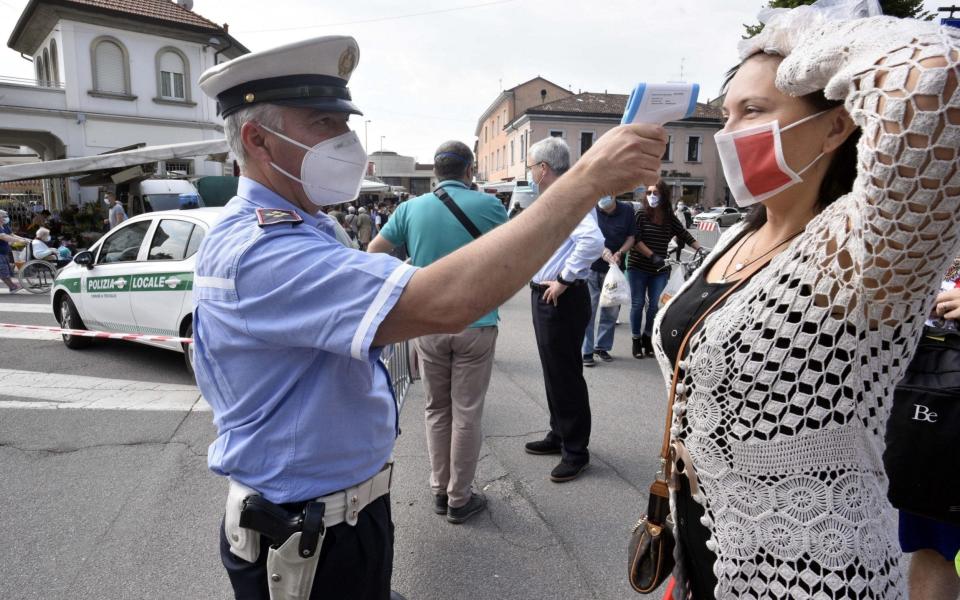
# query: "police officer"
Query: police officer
{"points": [[289, 322]]}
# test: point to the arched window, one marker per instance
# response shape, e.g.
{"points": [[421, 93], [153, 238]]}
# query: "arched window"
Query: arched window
{"points": [[54, 62], [38, 65], [111, 66], [46, 67], [173, 75]]}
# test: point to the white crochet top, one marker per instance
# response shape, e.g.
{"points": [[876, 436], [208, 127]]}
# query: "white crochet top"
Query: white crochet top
{"points": [[786, 389]]}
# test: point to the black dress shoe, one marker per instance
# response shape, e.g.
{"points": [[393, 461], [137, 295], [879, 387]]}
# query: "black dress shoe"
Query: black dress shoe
{"points": [[567, 471], [637, 348], [474, 505], [542, 447], [440, 504], [604, 355]]}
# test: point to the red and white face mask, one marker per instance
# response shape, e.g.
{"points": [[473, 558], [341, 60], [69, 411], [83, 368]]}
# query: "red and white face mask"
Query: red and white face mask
{"points": [[753, 162]]}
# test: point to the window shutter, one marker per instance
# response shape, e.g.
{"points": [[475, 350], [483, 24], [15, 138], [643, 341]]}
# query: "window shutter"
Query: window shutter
{"points": [[110, 69], [171, 62]]}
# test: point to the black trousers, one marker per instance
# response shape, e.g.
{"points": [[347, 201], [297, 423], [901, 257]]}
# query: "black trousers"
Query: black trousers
{"points": [[355, 562], [559, 331]]}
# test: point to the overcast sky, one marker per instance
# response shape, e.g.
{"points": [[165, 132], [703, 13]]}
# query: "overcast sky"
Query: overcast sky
{"points": [[426, 78]]}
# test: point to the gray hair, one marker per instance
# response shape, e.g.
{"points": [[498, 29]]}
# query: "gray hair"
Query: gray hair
{"points": [[42, 233], [451, 160], [270, 115], [553, 151]]}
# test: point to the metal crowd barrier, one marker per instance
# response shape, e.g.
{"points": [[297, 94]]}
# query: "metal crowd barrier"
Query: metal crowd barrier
{"points": [[397, 359]]}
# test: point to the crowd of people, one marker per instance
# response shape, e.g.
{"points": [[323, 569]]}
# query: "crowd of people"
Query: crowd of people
{"points": [[364, 223]]}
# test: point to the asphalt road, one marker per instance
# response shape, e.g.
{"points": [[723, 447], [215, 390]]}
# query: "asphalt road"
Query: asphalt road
{"points": [[117, 502]]}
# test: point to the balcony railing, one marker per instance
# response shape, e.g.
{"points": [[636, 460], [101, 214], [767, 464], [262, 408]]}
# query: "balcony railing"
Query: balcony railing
{"points": [[36, 83]]}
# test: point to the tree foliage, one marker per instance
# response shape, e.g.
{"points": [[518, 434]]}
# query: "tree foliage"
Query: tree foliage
{"points": [[895, 8]]}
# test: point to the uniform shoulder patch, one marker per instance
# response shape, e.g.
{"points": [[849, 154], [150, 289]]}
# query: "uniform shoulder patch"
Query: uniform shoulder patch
{"points": [[276, 216]]}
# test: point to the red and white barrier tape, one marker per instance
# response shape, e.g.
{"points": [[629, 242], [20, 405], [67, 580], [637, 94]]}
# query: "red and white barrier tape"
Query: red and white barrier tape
{"points": [[100, 334]]}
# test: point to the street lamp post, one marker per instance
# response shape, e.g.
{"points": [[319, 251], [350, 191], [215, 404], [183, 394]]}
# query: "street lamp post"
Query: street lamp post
{"points": [[366, 140], [381, 143]]}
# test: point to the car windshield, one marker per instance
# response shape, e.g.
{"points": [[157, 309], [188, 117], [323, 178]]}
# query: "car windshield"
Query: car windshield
{"points": [[165, 201], [717, 209]]}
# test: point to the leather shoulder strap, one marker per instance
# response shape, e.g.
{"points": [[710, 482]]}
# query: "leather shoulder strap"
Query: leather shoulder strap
{"points": [[457, 212], [665, 463]]}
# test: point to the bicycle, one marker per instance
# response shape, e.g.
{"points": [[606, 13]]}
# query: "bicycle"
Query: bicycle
{"points": [[679, 276]]}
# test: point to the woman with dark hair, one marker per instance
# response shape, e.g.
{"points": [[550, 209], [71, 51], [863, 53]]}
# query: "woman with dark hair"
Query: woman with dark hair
{"points": [[647, 271], [781, 353]]}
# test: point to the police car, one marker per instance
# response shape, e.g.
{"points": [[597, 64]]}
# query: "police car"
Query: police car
{"points": [[138, 278]]}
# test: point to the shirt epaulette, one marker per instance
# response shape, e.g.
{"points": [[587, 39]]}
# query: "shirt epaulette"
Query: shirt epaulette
{"points": [[277, 216]]}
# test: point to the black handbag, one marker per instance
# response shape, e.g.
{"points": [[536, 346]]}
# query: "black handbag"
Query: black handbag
{"points": [[650, 551], [922, 457]]}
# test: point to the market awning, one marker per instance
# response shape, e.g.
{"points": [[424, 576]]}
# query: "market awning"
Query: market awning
{"points": [[370, 187], [71, 167]]}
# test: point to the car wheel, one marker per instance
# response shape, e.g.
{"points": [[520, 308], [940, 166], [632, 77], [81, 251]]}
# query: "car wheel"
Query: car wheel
{"points": [[188, 349], [70, 319]]}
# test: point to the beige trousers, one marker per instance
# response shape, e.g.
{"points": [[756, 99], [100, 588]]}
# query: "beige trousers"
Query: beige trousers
{"points": [[456, 372]]}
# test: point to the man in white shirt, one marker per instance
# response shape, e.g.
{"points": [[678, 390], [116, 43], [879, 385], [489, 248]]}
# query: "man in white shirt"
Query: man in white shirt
{"points": [[560, 304]]}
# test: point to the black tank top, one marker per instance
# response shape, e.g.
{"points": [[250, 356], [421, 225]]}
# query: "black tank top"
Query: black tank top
{"points": [[693, 535]]}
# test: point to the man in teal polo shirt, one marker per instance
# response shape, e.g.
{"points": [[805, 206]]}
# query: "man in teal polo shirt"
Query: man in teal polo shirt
{"points": [[455, 367]]}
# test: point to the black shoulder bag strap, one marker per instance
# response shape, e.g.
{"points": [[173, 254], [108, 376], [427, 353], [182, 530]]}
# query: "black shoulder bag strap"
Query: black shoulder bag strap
{"points": [[457, 212]]}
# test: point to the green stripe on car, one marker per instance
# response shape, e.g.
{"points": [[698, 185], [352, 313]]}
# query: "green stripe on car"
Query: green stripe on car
{"points": [[150, 282], [71, 283]]}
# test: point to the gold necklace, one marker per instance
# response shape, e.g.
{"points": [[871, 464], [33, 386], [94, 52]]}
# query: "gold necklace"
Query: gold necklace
{"points": [[743, 265]]}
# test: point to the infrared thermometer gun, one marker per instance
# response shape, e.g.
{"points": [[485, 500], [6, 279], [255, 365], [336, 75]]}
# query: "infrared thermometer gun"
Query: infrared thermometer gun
{"points": [[660, 103]]}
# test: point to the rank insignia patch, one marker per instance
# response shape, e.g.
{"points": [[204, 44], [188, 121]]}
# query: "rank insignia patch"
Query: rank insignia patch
{"points": [[276, 216]]}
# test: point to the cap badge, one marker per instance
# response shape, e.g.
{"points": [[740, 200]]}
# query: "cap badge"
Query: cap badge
{"points": [[348, 61], [248, 98], [276, 216]]}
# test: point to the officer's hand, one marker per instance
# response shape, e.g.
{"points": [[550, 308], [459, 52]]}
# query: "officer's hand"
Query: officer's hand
{"points": [[624, 159], [552, 294], [947, 305]]}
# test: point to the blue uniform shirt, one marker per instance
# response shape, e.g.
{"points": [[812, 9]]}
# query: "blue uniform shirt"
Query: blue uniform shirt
{"points": [[284, 319], [430, 231]]}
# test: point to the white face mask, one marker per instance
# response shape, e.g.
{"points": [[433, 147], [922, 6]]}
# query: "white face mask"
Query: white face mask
{"points": [[753, 161], [6, 220], [653, 200], [332, 171]]}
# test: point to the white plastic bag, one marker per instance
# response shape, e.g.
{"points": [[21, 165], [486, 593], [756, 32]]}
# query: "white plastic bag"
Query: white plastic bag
{"points": [[674, 283], [615, 290]]}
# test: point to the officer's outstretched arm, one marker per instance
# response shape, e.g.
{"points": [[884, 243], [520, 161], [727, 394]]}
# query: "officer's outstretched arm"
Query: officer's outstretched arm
{"points": [[455, 291]]}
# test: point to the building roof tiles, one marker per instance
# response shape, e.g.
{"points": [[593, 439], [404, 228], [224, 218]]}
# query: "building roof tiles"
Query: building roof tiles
{"points": [[161, 10]]}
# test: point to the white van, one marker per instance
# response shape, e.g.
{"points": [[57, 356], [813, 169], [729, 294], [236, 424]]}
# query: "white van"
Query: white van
{"points": [[152, 195]]}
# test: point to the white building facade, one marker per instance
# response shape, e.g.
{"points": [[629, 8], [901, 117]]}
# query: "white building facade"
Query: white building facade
{"points": [[113, 77]]}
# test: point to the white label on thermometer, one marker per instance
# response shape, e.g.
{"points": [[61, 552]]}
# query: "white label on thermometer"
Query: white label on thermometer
{"points": [[659, 103]]}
